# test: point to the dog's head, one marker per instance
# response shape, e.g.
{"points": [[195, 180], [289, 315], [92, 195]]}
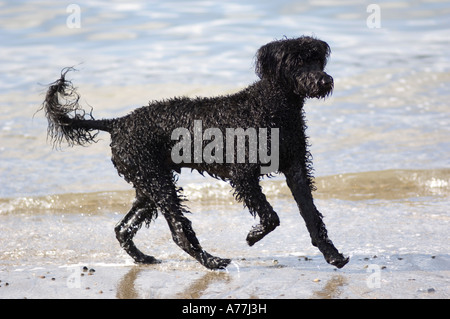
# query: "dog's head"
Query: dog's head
{"points": [[297, 65]]}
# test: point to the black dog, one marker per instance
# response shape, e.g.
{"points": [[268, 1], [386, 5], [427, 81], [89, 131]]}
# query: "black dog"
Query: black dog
{"points": [[143, 146]]}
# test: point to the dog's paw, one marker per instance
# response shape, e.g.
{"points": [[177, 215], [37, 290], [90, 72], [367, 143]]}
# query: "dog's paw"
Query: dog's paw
{"points": [[258, 232], [339, 261], [217, 263], [254, 235], [147, 260]]}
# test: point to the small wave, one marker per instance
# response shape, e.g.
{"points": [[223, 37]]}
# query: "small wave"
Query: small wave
{"points": [[90, 203], [386, 185]]}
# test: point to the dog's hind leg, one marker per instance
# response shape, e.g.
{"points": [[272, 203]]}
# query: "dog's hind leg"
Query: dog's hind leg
{"points": [[184, 236], [299, 184], [141, 211], [160, 188], [249, 191]]}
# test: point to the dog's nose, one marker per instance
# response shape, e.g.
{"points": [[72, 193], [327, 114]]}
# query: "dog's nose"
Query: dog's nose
{"points": [[326, 80]]}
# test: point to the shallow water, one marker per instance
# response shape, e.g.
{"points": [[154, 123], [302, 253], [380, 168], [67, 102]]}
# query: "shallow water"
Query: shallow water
{"points": [[381, 142]]}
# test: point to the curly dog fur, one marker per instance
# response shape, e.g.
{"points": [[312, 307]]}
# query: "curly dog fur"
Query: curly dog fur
{"points": [[290, 71]]}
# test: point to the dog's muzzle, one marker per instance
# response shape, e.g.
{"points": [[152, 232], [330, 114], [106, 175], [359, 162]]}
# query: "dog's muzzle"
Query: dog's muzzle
{"points": [[326, 81], [316, 84], [325, 85]]}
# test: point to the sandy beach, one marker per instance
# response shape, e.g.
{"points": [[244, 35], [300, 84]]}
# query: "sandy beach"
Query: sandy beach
{"points": [[380, 147]]}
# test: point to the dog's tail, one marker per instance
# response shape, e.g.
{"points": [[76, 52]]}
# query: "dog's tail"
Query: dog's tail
{"points": [[66, 119]]}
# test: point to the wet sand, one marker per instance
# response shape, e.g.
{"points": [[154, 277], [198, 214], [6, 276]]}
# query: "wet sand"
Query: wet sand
{"points": [[401, 276]]}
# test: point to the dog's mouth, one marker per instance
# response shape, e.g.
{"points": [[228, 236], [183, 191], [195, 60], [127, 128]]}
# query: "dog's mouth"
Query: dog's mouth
{"points": [[315, 85], [324, 90]]}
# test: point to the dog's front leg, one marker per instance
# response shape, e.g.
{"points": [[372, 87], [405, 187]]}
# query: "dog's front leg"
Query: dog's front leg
{"points": [[248, 190], [297, 181]]}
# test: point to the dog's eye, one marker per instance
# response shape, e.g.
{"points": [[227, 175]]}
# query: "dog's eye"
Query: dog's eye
{"points": [[315, 61], [320, 63]]}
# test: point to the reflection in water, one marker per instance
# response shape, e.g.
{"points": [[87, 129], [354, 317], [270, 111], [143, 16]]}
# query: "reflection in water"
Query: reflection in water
{"points": [[199, 286], [332, 289], [126, 288]]}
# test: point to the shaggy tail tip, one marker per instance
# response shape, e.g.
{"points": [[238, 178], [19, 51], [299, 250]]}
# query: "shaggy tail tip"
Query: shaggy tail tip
{"points": [[66, 119]]}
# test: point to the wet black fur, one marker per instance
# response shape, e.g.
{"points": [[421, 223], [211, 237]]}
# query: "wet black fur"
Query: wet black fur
{"points": [[290, 71]]}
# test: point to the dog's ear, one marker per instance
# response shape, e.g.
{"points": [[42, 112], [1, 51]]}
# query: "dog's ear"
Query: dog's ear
{"points": [[324, 51], [268, 61], [279, 61]]}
